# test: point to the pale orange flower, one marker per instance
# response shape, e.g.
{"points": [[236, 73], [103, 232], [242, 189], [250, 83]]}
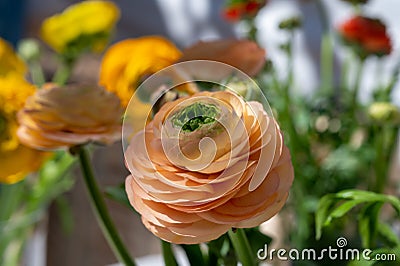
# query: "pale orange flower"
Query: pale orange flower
{"points": [[205, 164], [61, 117], [243, 54]]}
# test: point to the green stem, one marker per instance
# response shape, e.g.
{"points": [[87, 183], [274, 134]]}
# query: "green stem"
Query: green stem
{"points": [[393, 81], [326, 62], [323, 15], [380, 178], [357, 85], [326, 49], [63, 72], [252, 33], [37, 73], [194, 254], [290, 63], [100, 210], [168, 254], [242, 247], [385, 138], [10, 197]]}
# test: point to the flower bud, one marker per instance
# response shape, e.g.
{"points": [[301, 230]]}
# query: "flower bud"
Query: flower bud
{"points": [[384, 112], [290, 23], [29, 49]]}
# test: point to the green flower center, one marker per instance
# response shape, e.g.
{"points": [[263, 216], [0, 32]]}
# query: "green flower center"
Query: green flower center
{"points": [[195, 116]]}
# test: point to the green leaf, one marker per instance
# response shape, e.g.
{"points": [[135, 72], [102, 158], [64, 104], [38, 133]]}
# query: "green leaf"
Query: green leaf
{"points": [[257, 240], [322, 213], [395, 203], [389, 262], [342, 210], [365, 196], [388, 235], [65, 213], [118, 194], [368, 222], [168, 254], [216, 250]]}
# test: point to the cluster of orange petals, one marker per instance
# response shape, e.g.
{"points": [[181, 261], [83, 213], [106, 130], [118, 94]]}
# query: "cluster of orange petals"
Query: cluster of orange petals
{"points": [[238, 177], [368, 33], [61, 117]]}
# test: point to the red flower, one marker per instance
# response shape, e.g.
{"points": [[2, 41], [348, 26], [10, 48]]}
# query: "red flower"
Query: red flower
{"points": [[233, 13], [253, 7], [368, 35], [242, 9]]}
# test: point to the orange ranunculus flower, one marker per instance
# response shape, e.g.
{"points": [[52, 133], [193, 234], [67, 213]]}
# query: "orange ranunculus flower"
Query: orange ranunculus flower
{"points": [[368, 35], [127, 62], [243, 54], [205, 164], [59, 117]]}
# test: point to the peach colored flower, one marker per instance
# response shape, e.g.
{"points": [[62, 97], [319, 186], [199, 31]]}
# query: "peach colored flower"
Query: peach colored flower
{"points": [[243, 54], [205, 164], [59, 117]]}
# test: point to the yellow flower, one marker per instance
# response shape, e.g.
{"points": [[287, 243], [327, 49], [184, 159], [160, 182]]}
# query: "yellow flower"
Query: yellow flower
{"points": [[86, 25], [59, 117], [9, 61], [16, 160], [128, 61]]}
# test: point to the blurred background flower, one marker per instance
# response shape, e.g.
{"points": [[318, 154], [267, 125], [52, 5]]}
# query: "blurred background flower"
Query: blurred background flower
{"points": [[85, 25], [16, 160], [60, 117], [9, 61], [366, 35], [127, 63]]}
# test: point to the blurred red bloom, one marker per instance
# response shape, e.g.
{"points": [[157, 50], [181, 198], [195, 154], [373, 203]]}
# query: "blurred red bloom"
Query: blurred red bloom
{"points": [[233, 13], [368, 35], [236, 10]]}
